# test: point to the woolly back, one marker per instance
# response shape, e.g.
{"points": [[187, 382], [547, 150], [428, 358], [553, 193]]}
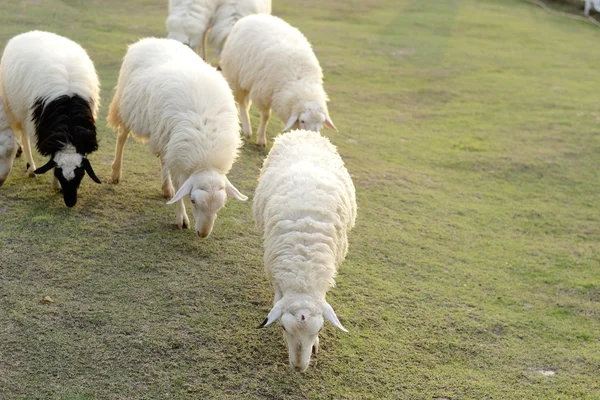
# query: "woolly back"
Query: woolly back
{"points": [[231, 11], [305, 200], [263, 47], [62, 121], [184, 104], [188, 19], [42, 65]]}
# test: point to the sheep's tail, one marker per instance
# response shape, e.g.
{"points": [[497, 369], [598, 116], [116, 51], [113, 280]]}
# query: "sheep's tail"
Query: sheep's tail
{"points": [[114, 114]]}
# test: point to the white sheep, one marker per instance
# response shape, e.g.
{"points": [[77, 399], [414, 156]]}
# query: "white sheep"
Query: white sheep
{"points": [[168, 96], [305, 205], [271, 64], [196, 22], [8, 144], [589, 4], [51, 94]]}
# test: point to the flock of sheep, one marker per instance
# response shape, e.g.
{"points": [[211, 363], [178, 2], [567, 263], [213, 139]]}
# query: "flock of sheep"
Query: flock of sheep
{"points": [[186, 110]]}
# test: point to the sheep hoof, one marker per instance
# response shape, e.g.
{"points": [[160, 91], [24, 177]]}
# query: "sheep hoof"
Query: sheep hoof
{"points": [[168, 193], [183, 223], [315, 349], [30, 172]]}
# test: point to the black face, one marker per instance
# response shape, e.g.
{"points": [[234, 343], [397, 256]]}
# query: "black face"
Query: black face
{"points": [[69, 188]]}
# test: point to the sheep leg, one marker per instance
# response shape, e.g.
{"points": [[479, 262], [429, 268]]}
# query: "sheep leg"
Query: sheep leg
{"points": [[167, 186], [262, 129], [244, 103], [116, 165], [588, 7], [27, 151], [182, 219]]}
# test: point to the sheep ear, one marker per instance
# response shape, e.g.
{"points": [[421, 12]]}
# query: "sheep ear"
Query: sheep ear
{"points": [[45, 168], [274, 315], [186, 188], [329, 315], [329, 123], [290, 122], [90, 171], [233, 192]]}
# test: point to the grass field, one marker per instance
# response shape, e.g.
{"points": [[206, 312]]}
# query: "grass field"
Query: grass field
{"points": [[472, 131]]}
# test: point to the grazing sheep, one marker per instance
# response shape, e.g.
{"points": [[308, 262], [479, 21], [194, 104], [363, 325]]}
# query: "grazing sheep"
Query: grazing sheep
{"points": [[305, 206], [271, 64], [194, 22], [8, 144], [51, 93], [168, 96], [589, 4]]}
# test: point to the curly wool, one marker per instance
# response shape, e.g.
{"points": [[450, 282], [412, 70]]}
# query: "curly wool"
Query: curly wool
{"points": [[305, 205], [275, 63], [168, 96]]}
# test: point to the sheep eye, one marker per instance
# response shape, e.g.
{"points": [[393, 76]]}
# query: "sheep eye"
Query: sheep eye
{"points": [[283, 327], [301, 122], [193, 201]]}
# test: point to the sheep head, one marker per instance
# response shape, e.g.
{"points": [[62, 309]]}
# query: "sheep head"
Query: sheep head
{"points": [[69, 169], [311, 117], [208, 191], [302, 318]]}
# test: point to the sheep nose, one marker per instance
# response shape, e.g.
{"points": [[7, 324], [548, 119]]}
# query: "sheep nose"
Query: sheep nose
{"points": [[300, 368], [203, 234]]}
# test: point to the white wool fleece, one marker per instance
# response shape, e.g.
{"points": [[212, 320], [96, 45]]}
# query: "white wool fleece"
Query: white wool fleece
{"points": [[275, 64], [190, 20], [305, 204], [168, 96], [183, 106]]}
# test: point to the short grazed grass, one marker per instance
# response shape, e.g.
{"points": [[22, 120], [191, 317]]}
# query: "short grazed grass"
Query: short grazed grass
{"points": [[472, 132]]}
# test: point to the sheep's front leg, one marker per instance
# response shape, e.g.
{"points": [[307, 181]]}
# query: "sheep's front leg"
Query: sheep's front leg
{"points": [[118, 161], [167, 185], [588, 7], [262, 129], [315, 348], [182, 219], [27, 151]]}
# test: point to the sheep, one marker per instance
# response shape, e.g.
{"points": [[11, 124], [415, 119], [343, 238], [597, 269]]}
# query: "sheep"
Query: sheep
{"points": [[8, 144], [51, 93], [305, 206], [168, 96], [194, 22], [271, 64], [591, 4]]}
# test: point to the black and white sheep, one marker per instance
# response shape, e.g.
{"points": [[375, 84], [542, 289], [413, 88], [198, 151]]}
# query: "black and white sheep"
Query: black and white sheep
{"points": [[51, 94]]}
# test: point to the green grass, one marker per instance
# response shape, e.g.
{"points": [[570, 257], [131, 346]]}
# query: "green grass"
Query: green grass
{"points": [[472, 131]]}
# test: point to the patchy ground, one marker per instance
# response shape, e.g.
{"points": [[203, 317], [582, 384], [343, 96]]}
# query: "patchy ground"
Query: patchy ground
{"points": [[472, 131]]}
